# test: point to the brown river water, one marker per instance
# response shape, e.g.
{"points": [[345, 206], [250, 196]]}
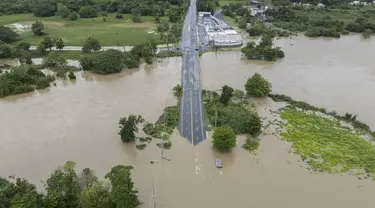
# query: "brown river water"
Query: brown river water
{"points": [[78, 121]]}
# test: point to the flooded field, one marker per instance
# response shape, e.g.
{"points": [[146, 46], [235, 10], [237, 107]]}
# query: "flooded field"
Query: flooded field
{"points": [[77, 120]]}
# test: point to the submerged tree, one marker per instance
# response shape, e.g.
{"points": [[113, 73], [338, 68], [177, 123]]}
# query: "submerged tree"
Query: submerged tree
{"points": [[128, 127], [224, 138], [91, 44], [226, 94], [258, 86]]}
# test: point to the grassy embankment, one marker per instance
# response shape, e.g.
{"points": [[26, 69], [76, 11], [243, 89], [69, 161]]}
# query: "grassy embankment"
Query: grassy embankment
{"points": [[327, 141], [111, 32]]}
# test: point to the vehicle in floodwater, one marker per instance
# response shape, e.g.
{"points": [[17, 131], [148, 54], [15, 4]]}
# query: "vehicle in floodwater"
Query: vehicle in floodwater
{"points": [[218, 163]]}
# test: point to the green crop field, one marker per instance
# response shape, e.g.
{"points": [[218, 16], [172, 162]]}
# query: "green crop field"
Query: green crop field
{"points": [[110, 32]]}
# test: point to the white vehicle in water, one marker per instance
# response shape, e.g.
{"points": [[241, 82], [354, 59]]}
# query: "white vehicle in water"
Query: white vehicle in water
{"points": [[218, 163]]}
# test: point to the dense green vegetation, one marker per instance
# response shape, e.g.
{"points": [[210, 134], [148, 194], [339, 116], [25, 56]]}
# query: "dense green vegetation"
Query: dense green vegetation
{"points": [[327, 22], [128, 127], [113, 61], [335, 18], [224, 138], [229, 108], [325, 141], [65, 188], [350, 118], [23, 79], [234, 113], [326, 145], [263, 51], [258, 86], [251, 144]]}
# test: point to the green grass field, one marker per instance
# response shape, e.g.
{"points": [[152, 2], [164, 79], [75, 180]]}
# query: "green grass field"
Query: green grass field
{"points": [[226, 2], [111, 32]]}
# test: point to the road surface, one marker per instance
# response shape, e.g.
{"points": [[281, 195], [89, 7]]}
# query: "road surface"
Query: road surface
{"points": [[191, 125]]}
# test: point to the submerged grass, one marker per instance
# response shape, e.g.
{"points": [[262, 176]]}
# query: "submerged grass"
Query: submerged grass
{"points": [[326, 145]]}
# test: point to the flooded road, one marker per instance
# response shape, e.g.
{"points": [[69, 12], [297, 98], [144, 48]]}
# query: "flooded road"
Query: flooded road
{"points": [[78, 121]]}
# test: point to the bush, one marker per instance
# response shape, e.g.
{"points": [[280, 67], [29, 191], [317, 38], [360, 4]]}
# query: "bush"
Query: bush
{"points": [[224, 138], [42, 83], [71, 75], [240, 119], [54, 60], [22, 79], [108, 62], [251, 144], [24, 46], [62, 10], [44, 10], [258, 86], [73, 16], [91, 44], [87, 62], [7, 35], [345, 32], [37, 28], [5, 51], [88, 12], [119, 16]]}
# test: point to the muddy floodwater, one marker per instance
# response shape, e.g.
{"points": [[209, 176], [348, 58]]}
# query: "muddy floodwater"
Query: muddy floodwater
{"points": [[78, 121]]}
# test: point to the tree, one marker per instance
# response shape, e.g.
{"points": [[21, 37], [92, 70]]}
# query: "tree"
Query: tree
{"points": [[73, 16], [367, 33], [41, 48], [44, 10], [136, 15], [87, 62], [258, 86], [224, 138], [96, 196], [5, 51], [174, 15], [226, 94], [87, 178], [7, 35], [55, 60], [91, 44], [59, 43], [119, 16], [62, 10], [62, 188], [19, 194], [177, 91], [25, 57], [88, 12], [107, 62], [47, 42], [128, 127], [38, 28], [122, 193]]}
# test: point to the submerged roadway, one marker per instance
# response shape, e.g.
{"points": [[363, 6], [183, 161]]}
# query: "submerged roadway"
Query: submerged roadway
{"points": [[191, 124]]}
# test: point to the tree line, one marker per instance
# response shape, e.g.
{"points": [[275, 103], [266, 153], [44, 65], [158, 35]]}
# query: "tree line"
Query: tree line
{"points": [[72, 9], [300, 19], [65, 188]]}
